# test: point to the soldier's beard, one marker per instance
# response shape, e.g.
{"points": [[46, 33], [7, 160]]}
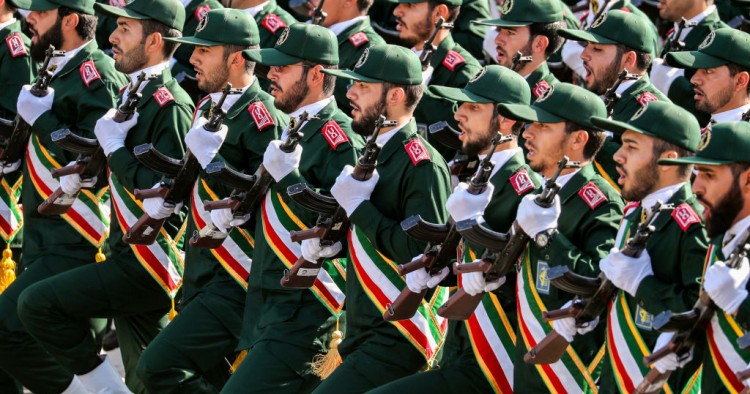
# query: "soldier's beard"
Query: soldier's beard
{"points": [[725, 210], [366, 123], [290, 102], [422, 32], [133, 60], [474, 148], [644, 181], [53, 36], [215, 80], [708, 105], [611, 72]]}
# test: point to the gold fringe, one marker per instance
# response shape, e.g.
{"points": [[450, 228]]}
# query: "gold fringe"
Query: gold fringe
{"points": [[237, 361], [7, 269], [100, 257], [172, 312], [324, 365]]}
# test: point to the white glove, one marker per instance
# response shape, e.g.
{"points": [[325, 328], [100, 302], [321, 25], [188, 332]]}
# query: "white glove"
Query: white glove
{"points": [[662, 76], [726, 286], [156, 209], [350, 192], [224, 220], [12, 167], [31, 107], [279, 163], [474, 283], [72, 184], [669, 362], [566, 327], [312, 250], [534, 219], [204, 144], [420, 280], [626, 272], [111, 135], [463, 205]]}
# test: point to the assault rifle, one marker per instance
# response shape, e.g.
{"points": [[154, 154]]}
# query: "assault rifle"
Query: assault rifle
{"points": [[519, 60], [177, 181], [593, 295], [502, 251], [442, 240], [611, 96], [248, 191], [332, 223], [91, 160], [318, 16], [675, 44], [688, 326], [429, 46], [742, 376], [745, 116]]}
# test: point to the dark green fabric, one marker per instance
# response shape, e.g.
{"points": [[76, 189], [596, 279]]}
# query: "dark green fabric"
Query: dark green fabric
{"points": [[471, 35], [14, 71], [542, 73], [268, 38], [349, 54]]}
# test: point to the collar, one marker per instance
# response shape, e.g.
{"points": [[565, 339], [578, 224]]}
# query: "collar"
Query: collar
{"points": [[338, 28], [624, 85], [663, 195], [697, 19], [562, 180], [61, 61], [731, 115], [156, 69], [8, 23], [382, 139], [731, 235], [538, 74], [231, 99], [499, 158], [185, 3], [256, 9], [312, 109]]}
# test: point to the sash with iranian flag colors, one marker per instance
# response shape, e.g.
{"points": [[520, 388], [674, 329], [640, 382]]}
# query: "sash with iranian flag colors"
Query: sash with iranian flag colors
{"points": [[162, 259], [235, 252], [11, 214], [89, 214], [278, 220], [492, 338], [569, 374], [380, 279]]}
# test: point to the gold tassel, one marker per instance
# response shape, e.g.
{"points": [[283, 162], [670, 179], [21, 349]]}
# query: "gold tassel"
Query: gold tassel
{"points": [[7, 269], [237, 361], [100, 257], [324, 365], [172, 312]]}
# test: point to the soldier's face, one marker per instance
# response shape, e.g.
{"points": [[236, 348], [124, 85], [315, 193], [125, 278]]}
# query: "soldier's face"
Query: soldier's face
{"points": [[368, 102], [602, 66], [637, 166], [673, 10], [414, 22], [478, 123], [46, 30], [288, 86], [713, 88], [719, 190], [509, 41], [545, 143], [211, 69], [332, 8], [128, 46]]}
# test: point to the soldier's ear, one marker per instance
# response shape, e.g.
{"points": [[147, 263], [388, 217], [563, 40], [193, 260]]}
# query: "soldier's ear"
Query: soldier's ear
{"points": [[438, 11], [539, 45], [395, 96], [70, 21], [742, 80]]}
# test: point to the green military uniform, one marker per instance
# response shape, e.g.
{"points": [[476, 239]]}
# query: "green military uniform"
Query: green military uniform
{"points": [[15, 67], [271, 20], [469, 35], [214, 288], [352, 44]]}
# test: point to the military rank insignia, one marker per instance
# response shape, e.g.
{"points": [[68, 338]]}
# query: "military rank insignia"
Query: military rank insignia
{"points": [[359, 39], [417, 151], [333, 134], [260, 115], [15, 45], [643, 319], [89, 73], [542, 277], [591, 195], [163, 96], [685, 216], [272, 23], [521, 182], [452, 60]]}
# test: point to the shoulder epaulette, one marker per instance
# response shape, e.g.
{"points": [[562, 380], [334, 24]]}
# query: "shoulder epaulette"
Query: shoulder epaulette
{"points": [[15, 45], [89, 73], [334, 134], [630, 206], [260, 115], [540, 88], [201, 11], [273, 23], [521, 182], [163, 96], [646, 97], [359, 39], [592, 195], [685, 216], [452, 60], [417, 151]]}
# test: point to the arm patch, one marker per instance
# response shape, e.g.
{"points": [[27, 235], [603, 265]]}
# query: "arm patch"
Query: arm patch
{"points": [[334, 134], [15, 45], [417, 151], [272, 23], [359, 39], [452, 60], [89, 73], [591, 195], [646, 97], [260, 115], [521, 182], [163, 96], [685, 216]]}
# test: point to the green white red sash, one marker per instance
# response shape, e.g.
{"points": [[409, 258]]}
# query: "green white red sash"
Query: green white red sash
{"points": [[278, 220], [89, 214], [235, 253], [11, 214], [162, 259], [382, 284]]}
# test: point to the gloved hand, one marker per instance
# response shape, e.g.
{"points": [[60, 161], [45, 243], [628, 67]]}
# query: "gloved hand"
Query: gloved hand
{"points": [[31, 107], [279, 163], [626, 272], [12, 167], [566, 327], [156, 209], [111, 135], [474, 283], [463, 205], [312, 250], [204, 144], [669, 362], [72, 184], [726, 286], [350, 192], [224, 220], [534, 219], [419, 280]]}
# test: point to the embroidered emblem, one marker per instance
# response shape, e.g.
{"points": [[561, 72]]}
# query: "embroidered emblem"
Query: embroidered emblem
{"points": [[643, 319], [202, 24], [452, 60], [89, 73], [260, 115], [542, 277], [591, 195], [638, 113], [273, 23], [541, 90], [646, 97], [363, 58], [15, 45], [708, 41], [163, 96], [333, 134], [201, 11], [599, 20], [479, 75], [359, 39], [506, 7], [685, 216], [521, 182], [705, 137], [283, 37], [417, 151]]}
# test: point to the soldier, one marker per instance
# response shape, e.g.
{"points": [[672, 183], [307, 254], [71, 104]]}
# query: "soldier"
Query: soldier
{"points": [[468, 365], [721, 186], [83, 86], [666, 274], [15, 64], [269, 16], [136, 284], [722, 74], [617, 41], [576, 231], [283, 329]]}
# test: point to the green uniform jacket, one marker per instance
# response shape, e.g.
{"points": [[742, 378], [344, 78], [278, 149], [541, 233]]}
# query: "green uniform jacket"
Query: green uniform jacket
{"points": [[404, 189], [351, 47], [289, 312], [539, 80], [584, 236], [454, 71], [76, 107], [677, 258], [268, 26], [15, 71], [243, 151], [623, 110], [471, 35], [193, 14]]}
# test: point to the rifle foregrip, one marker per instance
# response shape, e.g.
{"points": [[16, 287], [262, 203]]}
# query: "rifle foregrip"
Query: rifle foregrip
{"points": [[57, 203], [548, 350], [743, 375], [404, 306], [464, 268], [422, 262], [362, 173], [460, 306], [220, 204], [208, 238], [302, 275], [121, 116], [67, 170], [653, 382], [659, 354], [142, 194], [310, 233], [144, 231], [558, 314]]}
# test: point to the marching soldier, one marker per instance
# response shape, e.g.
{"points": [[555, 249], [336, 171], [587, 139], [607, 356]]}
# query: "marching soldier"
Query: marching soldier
{"points": [[722, 74], [188, 355], [721, 186], [136, 284], [283, 329], [576, 231], [15, 62], [83, 86]]}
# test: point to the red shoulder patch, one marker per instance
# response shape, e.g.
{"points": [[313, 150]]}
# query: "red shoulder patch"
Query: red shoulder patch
{"points": [[630, 206], [521, 182], [540, 88], [452, 60], [333, 134], [117, 3], [685, 216], [15, 45], [89, 73], [359, 39], [625, 9], [582, 19], [260, 115], [201, 11], [417, 151], [273, 23], [646, 97], [591, 194], [163, 96]]}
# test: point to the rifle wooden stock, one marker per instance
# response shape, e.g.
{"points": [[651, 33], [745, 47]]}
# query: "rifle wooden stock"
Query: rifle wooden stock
{"points": [[660, 353], [404, 306], [743, 375], [75, 168], [302, 275], [421, 262], [461, 305], [653, 382], [557, 314], [57, 203], [144, 231], [312, 232], [548, 350], [142, 194], [480, 266], [209, 237], [220, 204]]}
